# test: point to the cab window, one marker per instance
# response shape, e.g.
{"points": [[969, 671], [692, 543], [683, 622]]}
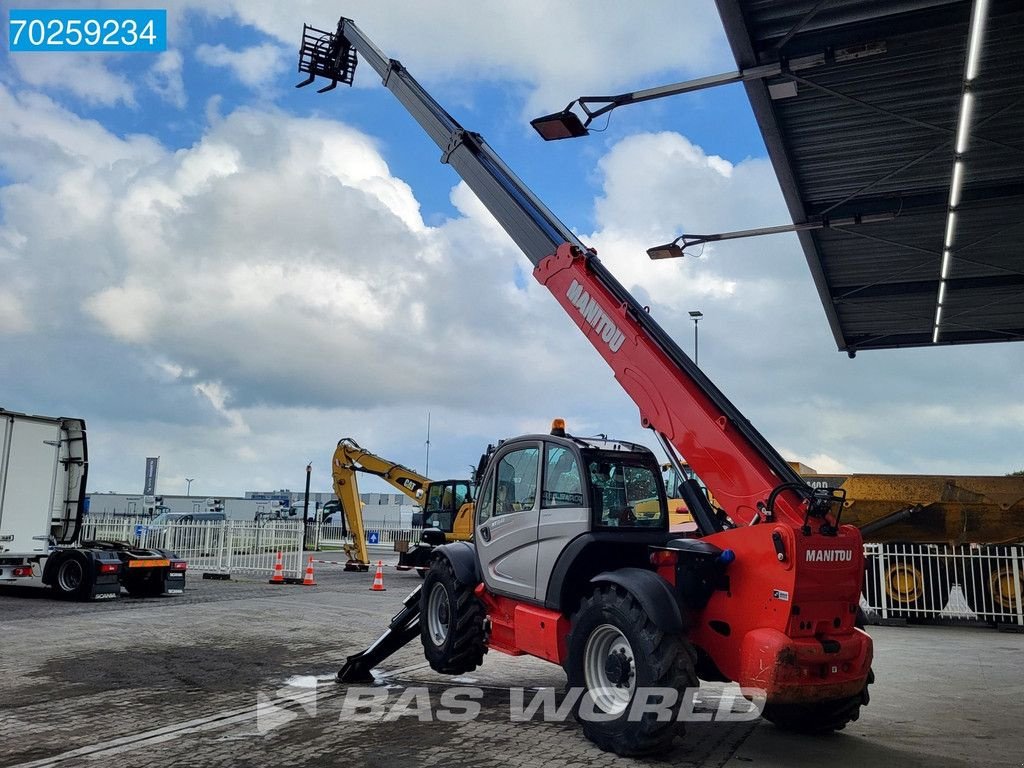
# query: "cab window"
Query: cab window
{"points": [[624, 494], [516, 488], [562, 484], [440, 509], [462, 495], [485, 504]]}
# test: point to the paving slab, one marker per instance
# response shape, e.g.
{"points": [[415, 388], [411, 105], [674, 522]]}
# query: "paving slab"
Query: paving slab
{"points": [[240, 673]]}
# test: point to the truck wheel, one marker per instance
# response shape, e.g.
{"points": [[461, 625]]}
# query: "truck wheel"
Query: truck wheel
{"points": [[72, 579], [451, 621], [995, 594], [615, 650], [914, 584]]}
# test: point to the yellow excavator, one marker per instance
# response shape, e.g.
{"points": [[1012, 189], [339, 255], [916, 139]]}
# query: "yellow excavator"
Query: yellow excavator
{"points": [[447, 506]]}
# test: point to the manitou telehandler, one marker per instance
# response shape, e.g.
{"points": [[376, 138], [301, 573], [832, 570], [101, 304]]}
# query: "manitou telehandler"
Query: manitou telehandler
{"points": [[764, 593]]}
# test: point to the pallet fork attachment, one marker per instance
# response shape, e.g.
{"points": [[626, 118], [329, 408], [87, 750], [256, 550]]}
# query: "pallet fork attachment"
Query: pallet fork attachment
{"points": [[404, 626], [326, 54]]}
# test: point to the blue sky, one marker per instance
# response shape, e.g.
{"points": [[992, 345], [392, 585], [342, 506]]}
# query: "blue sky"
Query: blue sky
{"points": [[214, 267]]}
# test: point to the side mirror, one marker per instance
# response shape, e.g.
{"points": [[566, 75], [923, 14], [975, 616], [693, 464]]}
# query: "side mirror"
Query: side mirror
{"points": [[292, 513]]}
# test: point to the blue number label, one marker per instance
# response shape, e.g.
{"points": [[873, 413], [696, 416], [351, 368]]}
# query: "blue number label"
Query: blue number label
{"points": [[67, 29]]}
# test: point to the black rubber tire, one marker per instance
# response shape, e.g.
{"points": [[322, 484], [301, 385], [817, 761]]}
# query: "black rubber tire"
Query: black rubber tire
{"points": [[464, 643], [660, 661], [992, 596], [825, 717], [916, 587], [72, 577], [819, 717]]}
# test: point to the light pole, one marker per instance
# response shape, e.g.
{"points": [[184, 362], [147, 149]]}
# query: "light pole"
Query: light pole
{"points": [[305, 510], [188, 488], [696, 314]]}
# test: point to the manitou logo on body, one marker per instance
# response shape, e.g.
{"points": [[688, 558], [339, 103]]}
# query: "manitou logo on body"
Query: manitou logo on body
{"points": [[595, 316], [829, 555]]}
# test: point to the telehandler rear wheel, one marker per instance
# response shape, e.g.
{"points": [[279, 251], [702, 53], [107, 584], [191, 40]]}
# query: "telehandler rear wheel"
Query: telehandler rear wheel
{"points": [[619, 657], [451, 621], [823, 717]]}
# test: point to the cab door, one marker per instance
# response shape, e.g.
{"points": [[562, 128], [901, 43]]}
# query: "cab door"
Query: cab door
{"points": [[507, 516]]}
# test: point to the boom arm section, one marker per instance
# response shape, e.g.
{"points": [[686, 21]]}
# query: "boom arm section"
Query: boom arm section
{"points": [[347, 490], [350, 457], [740, 467]]}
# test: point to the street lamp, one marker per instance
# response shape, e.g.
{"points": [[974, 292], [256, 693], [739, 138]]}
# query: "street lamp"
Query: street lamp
{"points": [[188, 488], [696, 314]]}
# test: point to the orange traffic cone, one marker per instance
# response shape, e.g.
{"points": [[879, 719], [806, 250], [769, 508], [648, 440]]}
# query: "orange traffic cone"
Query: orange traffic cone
{"points": [[278, 577], [307, 581], [378, 578]]}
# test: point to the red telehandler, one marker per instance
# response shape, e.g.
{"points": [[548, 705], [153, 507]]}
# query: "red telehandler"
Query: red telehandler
{"points": [[765, 593]]}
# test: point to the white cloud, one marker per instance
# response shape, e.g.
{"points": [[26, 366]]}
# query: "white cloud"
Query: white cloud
{"points": [[164, 77], [253, 297], [576, 48], [12, 314], [84, 75], [258, 67]]}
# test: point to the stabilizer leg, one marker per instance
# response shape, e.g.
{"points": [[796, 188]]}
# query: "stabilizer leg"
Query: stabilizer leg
{"points": [[404, 626]]}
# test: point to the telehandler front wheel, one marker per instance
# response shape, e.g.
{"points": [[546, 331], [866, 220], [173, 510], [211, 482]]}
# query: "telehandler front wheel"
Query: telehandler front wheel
{"points": [[623, 661], [451, 621]]}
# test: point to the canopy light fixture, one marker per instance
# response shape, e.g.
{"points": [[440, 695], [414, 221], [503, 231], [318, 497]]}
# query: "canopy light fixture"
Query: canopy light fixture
{"points": [[972, 66], [560, 125], [567, 124], [677, 248]]}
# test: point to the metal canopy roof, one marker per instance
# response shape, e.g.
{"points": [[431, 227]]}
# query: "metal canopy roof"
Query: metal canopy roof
{"points": [[863, 120]]}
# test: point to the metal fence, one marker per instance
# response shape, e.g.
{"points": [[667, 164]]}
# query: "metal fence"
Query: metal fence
{"points": [[212, 546], [379, 533], [902, 581], [926, 581]]}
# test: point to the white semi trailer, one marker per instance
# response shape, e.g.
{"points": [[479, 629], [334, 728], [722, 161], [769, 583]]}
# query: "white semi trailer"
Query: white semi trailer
{"points": [[43, 469]]}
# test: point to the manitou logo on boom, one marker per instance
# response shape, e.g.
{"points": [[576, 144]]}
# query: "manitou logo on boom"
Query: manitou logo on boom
{"points": [[829, 555], [595, 316]]}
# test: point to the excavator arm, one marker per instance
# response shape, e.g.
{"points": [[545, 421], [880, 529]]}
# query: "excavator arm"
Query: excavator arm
{"points": [[346, 489], [349, 457]]}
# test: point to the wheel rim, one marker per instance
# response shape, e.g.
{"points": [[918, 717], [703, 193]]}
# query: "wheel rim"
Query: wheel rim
{"points": [[905, 583], [70, 575], [1003, 589], [438, 614], [608, 669]]}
